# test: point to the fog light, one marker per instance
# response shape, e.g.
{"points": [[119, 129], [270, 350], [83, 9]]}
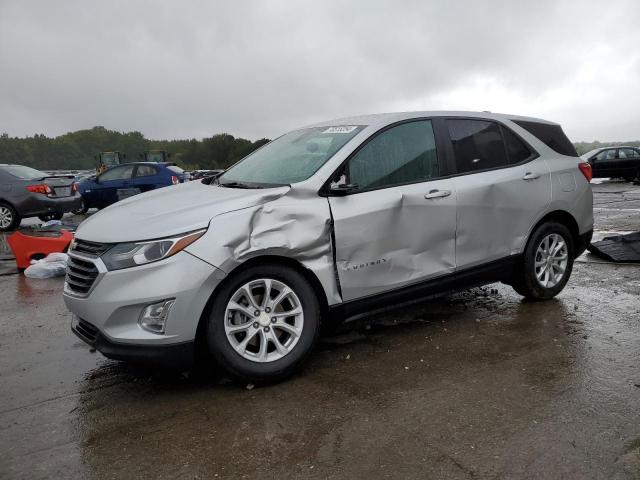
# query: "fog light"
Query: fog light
{"points": [[154, 316]]}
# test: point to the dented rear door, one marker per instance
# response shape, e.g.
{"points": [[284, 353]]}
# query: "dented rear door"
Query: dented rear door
{"points": [[503, 188]]}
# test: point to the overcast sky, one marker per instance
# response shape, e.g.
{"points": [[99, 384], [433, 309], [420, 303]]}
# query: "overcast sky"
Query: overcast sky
{"points": [[186, 69]]}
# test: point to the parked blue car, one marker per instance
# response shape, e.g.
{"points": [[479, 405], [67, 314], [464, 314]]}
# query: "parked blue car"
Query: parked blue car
{"points": [[125, 181]]}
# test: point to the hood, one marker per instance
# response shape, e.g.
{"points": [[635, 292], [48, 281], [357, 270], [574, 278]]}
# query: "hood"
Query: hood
{"points": [[170, 211]]}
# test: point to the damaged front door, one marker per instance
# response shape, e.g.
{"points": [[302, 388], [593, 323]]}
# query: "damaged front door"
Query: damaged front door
{"points": [[396, 224]]}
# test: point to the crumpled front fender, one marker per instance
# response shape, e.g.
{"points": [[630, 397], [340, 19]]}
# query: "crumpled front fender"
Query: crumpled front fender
{"points": [[294, 226]]}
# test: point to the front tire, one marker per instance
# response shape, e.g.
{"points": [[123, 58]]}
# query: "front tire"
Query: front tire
{"points": [[547, 262], [9, 218], [264, 323]]}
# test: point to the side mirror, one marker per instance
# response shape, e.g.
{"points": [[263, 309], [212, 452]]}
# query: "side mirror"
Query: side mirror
{"points": [[342, 190]]}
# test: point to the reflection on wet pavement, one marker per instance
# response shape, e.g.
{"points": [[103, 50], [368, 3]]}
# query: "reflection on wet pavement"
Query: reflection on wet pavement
{"points": [[476, 385]]}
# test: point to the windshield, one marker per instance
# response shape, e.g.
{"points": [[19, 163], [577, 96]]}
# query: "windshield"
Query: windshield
{"points": [[20, 171], [291, 158], [109, 159], [155, 157], [586, 156]]}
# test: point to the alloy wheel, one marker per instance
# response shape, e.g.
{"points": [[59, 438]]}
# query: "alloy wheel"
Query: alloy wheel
{"points": [[263, 320], [551, 260], [6, 217]]}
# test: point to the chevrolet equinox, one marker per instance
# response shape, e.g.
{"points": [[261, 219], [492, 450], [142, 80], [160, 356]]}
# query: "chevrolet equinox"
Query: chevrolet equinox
{"points": [[329, 222]]}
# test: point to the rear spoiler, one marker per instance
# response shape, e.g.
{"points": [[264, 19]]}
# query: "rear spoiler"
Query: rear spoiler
{"points": [[57, 176]]}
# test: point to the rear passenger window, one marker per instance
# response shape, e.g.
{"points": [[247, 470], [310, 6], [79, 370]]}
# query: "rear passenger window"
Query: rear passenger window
{"points": [[405, 153], [516, 149], [627, 153], [145, 171], [477, 144]]}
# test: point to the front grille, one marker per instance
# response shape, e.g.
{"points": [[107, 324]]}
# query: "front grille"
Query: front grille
{"points": [[91, 249], [80, 275], [81, 269], [87, 331]]}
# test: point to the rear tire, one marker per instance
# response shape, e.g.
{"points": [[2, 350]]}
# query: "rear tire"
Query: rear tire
{"points": [[82, 209], [547, 262], [9, 218], [51, 216], [262, 339]]}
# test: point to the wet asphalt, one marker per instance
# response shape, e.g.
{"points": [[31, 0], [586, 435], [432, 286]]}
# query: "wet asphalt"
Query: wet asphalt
{"points": [[476, 385]]}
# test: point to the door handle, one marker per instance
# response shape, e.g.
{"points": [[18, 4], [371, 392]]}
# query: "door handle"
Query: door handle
{"points": [[437, 194], [531, 176]]}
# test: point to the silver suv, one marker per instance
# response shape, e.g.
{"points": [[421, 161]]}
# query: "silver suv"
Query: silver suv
{"points": [[329, 222]]}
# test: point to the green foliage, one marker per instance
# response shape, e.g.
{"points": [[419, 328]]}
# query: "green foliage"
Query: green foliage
{"points": [[76, 150], [584, 147]]}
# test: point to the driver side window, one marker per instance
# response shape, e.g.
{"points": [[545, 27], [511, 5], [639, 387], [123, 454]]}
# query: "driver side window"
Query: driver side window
{"points": [[609, 154], [118, 173], [402, 154]]}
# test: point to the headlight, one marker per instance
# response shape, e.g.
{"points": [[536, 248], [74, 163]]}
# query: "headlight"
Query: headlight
{"points": [[125, 255]]}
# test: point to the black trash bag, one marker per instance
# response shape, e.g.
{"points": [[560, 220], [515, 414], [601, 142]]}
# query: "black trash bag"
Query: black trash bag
{"points": [[620, 248]]}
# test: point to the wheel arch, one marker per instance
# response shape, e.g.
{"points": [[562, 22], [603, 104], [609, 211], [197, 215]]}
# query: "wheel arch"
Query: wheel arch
{"points": [[307, 273], [564, 218], [7, 202], [4, 201]]}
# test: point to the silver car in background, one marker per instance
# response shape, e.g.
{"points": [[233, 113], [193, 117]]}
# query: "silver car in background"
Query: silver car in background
{"points": [[327, 223]]}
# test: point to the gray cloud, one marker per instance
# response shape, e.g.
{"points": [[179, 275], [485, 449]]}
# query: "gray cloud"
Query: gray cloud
{"points": [[254, 69]]}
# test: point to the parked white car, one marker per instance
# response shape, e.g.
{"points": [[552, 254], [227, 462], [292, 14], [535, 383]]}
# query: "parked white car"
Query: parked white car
{"points": [[329, 222]]}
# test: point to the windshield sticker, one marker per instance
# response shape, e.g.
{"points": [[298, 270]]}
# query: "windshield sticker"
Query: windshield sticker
{"points": [[341, 129]]}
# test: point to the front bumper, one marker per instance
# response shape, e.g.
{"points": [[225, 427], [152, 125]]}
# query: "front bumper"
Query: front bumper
{"points": [[173, 356], [111, 310]]}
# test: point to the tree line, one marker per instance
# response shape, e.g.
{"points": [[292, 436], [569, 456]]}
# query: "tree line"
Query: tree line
{"points": [[76, 150]]}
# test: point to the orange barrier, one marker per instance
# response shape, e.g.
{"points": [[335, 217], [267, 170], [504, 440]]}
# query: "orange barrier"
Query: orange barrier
{"points": [[26, 247]]}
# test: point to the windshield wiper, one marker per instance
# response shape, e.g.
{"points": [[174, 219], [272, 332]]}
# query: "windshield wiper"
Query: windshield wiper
{"points": [[236, 185]]}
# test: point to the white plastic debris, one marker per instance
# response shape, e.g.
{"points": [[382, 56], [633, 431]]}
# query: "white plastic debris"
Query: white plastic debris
{"points": [[52, 223], [53, 265]]}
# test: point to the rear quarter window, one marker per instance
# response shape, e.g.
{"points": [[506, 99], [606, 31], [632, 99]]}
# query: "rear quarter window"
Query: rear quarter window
{"points": [[551, 135]]}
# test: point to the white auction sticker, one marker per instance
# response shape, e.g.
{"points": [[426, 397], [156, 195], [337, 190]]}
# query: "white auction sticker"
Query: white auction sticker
{"points": [[341, 129]]}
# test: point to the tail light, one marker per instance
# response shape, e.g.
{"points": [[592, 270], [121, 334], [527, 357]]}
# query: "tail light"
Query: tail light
{"points": [[174, 180], [40, 188], [74, 187], [585, 168]]}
